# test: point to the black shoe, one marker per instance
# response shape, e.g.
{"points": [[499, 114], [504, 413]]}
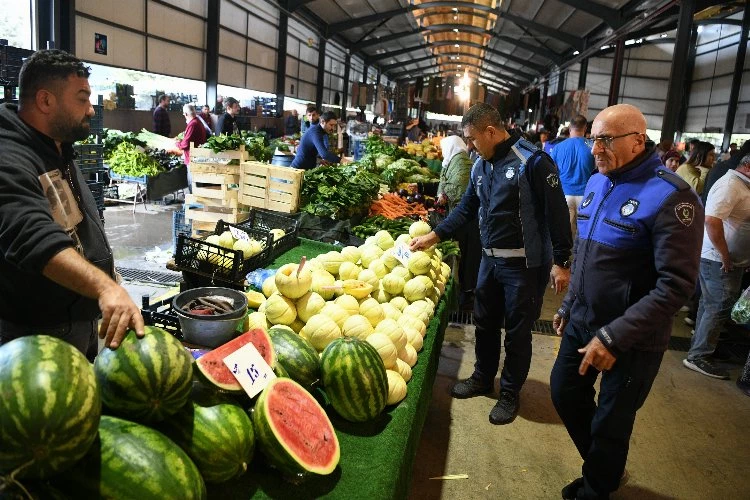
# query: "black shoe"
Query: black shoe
{"points": [[506, 408], [744, 386], [469, 388], [570, 492], [705, 367]]}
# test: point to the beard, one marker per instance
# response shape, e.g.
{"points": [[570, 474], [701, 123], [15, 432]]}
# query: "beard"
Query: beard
{"points": [[67, 129]]}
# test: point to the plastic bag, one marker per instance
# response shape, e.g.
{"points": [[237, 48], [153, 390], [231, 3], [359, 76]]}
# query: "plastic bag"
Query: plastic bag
{"points": [[257, 277], [741, 309]]}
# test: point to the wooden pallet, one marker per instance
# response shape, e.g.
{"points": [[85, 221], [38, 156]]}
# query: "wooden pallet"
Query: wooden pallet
{"points": [[270, 187]]}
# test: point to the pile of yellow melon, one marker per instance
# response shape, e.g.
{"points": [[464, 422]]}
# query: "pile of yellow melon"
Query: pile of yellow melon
{"points": [[364, 292]]}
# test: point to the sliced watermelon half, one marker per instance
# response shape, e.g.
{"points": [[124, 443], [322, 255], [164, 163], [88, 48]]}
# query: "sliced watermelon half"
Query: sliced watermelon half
{"points": [[293, 430], [211, 365]]}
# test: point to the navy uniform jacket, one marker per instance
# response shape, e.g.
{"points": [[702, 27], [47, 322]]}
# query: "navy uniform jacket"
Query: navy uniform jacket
{"points": [[640, 231], [520, 204]]}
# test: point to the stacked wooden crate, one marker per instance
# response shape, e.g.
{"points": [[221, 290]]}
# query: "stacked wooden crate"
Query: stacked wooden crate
{"points": [[215, 187], [270, 187]]}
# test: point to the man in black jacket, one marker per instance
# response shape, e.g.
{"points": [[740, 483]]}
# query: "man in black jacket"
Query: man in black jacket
{"points": [[56, 267], [640, 229], [227, 123], [525, 233]]}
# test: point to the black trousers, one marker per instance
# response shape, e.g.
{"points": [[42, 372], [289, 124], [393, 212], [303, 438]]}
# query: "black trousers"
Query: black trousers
{"points": [[508, 294], [601, 432], [82, 334]]}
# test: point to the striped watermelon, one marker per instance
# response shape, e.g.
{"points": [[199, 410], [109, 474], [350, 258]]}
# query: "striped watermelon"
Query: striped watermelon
{"points": [[212, 367], [132, 461], [219, 439], [298, 357], [49, 406], [145, 379], [354, 379], [293, 431]]}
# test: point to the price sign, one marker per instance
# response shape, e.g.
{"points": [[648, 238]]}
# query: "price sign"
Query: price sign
{"points": [[250, 369], [402, 253], [239, 234]]}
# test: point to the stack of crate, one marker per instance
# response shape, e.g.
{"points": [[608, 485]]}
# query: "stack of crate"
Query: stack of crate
{"points": [[270, 187], [90, 158], [215, 189], [11, 60]]}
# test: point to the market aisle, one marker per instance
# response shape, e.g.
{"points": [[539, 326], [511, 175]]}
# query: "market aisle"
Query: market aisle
{"points": [[690, 440]]}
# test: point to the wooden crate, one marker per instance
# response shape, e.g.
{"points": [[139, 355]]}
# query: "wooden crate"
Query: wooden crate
{"points": [[270, 187], [203, 217], [206, 155]]}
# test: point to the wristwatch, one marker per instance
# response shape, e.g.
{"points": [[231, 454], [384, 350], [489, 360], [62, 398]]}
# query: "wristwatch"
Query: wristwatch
{"points": [[566, 264]]}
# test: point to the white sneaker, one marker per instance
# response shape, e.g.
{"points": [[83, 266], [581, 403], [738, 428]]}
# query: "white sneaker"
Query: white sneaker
{"points": [[684, 309], [689, 322]]}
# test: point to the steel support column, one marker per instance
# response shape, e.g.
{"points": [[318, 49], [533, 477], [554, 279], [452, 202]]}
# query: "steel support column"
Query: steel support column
{"points": [[49, 27], [688, 85], [345, 93], [364, 72], [734, 93], [560, 82], [614, 84], [281, 62], [543, 99], [321, 73], [583, 74], [677, 75], [212, 53]]}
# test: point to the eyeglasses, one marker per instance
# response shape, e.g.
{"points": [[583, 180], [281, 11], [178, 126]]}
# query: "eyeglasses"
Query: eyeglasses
{"points": [[605, 141]]}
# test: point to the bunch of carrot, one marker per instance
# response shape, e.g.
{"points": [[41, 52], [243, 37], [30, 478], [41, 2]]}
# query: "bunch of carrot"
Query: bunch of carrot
{"points": [[393, 206]]}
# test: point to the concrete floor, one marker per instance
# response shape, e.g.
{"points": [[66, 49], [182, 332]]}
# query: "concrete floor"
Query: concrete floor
{"points": [[690, 439]]}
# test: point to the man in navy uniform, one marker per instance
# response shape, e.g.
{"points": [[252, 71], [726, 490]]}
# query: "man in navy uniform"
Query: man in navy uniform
{"points": [[525, 234], [640, 230], [314, 143]]}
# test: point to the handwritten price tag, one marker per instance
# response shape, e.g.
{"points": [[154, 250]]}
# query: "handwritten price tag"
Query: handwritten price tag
{"points": [[250, 369], [239, 234], [402, 253]]}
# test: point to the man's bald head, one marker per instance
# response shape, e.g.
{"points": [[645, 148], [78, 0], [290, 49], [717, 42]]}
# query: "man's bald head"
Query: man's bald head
{"points": [[619, 134]]}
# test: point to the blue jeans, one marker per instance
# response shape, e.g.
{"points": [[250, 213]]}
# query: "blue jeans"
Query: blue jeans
{"points": [[508, 294], [719, 291], [601, 432]]}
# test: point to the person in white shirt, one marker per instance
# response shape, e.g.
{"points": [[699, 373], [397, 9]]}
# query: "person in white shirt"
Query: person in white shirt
{"points": [[724, 259]]}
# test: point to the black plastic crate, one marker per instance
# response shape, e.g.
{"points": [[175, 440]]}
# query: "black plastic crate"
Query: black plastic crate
{"points": [[97, 121], [112, 192], [97, 189], [205, 264], [162, 315], [89, 157], [265, 220], [180, 226]]}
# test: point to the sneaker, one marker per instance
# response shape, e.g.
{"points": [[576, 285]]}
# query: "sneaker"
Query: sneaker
{"points": [[705, 367], [689, 322], [469, 388], [570, 492], [506, 408], [684, 309]]}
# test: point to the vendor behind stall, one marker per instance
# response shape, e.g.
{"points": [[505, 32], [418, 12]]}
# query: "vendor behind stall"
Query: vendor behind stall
{"points": [[315, 143], [194, 133], [227, 123]]}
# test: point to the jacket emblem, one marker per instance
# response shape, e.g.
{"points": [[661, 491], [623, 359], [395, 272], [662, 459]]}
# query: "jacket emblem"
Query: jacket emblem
{"points": [[587, 201], [553, 180], [685, 213], [629, 207], [510, 173]]}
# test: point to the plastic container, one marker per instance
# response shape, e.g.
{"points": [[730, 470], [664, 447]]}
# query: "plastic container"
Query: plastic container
{"points": [[265, 221], [213, 330]]}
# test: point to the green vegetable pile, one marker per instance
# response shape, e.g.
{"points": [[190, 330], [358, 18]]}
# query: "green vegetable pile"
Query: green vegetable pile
{"points": [[256, 144], [338, 191], [741, 309], [405, 170], [372, 225], [219, 143], [127, 159], [448, 248], [112, 138]]}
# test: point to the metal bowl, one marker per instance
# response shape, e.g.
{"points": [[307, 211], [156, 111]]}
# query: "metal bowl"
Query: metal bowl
{"points": [[238, 298], [214, 330]]}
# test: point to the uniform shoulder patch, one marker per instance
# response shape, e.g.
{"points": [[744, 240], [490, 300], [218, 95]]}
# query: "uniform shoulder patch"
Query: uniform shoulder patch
{"points": [[524, 150], [685, 213], [673, 179]]}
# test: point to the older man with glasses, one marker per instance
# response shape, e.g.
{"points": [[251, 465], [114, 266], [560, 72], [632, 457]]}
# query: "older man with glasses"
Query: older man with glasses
{"points": [[640, 229]]}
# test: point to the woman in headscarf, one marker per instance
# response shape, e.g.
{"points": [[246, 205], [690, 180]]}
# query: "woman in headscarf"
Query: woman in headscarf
{"points": [[454, 177]]}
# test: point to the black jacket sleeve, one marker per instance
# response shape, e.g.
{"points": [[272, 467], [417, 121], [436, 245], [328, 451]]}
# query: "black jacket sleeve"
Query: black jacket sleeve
{"points": [[465, 212], [677, 249], [545, 181]]}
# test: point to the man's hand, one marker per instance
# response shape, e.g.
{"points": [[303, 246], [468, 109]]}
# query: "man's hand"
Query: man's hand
{"points": [[596, 355], [442, 200], [726, 263], [119, 313], [425, 241], [559, 323], [560, 278]]}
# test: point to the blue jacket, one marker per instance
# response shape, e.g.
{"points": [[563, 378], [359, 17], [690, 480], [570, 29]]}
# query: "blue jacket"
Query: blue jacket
{"points": [[520, 204], [312, 145], [575, 162], [640, 230]]}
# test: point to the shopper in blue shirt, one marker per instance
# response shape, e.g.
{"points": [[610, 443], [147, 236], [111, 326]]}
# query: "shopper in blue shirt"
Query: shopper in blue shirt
{"points": [[576, 163], [314, 143]]}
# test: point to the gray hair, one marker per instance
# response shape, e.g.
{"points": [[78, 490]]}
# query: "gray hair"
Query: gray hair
{"points": [[745, 161], [481, 116], [189, 109]]}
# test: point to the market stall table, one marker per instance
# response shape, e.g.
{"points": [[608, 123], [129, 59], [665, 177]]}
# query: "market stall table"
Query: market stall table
{"points": [[376, 456]]}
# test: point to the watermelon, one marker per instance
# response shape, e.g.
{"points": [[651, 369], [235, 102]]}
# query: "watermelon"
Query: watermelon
{"points": [[212, 367], [293, 430], [298, 357], [219, 439], [145, 379], [354, 378], [132, 461], [49, 406]]}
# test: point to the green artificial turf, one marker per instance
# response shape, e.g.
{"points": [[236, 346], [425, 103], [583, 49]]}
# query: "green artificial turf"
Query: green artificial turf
{"points": [[376, 456]]}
